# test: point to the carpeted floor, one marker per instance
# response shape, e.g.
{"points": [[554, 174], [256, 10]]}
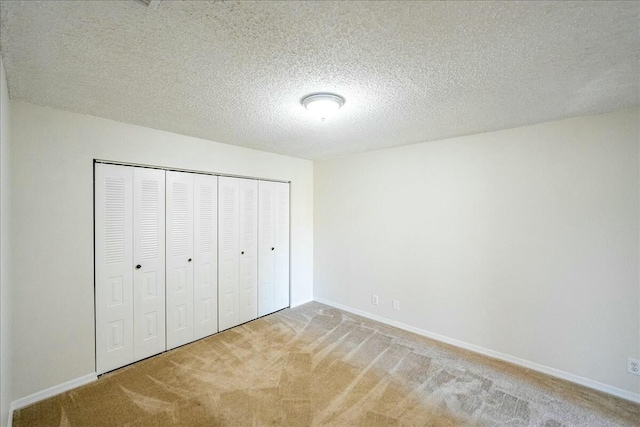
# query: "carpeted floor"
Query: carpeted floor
{"points": [[315, 365]]}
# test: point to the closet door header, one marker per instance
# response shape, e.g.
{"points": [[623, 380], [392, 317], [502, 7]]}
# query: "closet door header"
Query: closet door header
{"points": [[167, 168]]}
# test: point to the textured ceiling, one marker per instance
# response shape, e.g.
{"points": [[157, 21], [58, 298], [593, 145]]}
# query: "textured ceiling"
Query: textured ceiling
{"points": [[410, 71]]}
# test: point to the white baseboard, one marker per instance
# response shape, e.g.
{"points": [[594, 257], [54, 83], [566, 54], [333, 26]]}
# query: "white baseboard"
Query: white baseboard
{"points": [[615, 391], [50, 392], [297, 303]]}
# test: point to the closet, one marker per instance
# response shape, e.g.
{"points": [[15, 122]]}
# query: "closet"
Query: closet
{"points": [[182, 255]]}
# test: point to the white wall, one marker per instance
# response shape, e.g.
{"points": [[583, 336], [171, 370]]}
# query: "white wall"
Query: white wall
{"points": [[523, 241], [52, 156], [5, 254]]}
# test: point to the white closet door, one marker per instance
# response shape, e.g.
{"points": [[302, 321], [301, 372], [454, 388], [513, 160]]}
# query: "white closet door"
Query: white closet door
{"points": [[113, 266], [179, 259], [248, 208], [205, 255], [266, 248], [148, 258], [229, 252], [281, 247]]}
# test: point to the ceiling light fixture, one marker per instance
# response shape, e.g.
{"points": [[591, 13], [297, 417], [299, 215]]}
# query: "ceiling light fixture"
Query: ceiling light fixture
{"points": [[322, 104]]}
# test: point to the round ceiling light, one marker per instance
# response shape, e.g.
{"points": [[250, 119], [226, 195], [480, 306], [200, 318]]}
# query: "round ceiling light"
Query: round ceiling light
{"points": [[322, 104]]}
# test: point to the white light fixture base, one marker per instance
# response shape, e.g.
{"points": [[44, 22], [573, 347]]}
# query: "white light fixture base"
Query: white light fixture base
{"points": [[322, 104]]}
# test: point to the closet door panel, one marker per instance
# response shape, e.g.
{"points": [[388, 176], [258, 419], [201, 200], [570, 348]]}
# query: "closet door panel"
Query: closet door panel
{"points": [[113, 266], [179, 259], [149, 261], [266, 247], [229, 252], [205, 255], [281, 252], [248, 219]]}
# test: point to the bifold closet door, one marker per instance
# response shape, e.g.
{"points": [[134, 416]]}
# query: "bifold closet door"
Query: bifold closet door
{"points": [[129, 264], [266, 248], [248, 250], [238, 247], [192, 275], [113, 266], [273, 264], [148, 257], [205, 290], [281, 248], [179, 258]]}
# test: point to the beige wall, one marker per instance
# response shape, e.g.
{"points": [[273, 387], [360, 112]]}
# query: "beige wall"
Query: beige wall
{"points": [[5, 254], [53, 228], [522, 241]]}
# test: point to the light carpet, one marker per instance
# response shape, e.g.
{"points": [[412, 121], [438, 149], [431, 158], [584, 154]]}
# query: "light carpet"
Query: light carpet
{"points": [[314, 365]]}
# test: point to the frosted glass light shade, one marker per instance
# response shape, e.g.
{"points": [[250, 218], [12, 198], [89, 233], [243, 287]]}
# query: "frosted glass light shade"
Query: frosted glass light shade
{"points": [[323, 104]]}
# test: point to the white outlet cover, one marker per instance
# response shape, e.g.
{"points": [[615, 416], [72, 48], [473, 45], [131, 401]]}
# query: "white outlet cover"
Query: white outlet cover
{"points": [[633, 366], [396, 304], [374, 299]]}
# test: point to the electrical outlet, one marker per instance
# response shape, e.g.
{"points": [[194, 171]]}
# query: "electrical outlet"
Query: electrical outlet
{"points": [[374, 299], [633, 366], [396, 305]]}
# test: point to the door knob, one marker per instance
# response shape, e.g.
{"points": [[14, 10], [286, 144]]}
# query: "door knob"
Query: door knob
{"points": [[138, 267], [242, 252], [189, 260], [272, 248]]}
